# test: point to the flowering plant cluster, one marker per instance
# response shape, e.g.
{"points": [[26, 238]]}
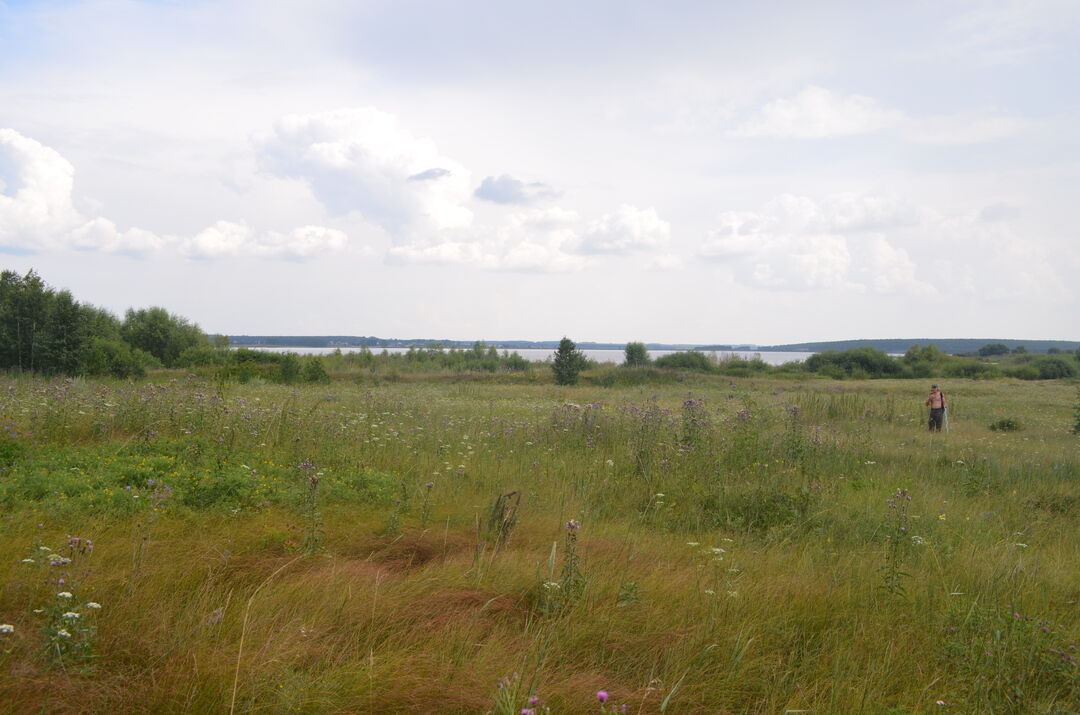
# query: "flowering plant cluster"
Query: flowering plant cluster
{"points": [[67, 621]]}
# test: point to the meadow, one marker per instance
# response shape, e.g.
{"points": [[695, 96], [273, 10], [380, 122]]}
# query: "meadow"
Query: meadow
{"points": [[499, 545]]}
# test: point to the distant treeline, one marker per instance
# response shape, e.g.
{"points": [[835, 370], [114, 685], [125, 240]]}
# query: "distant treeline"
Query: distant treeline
{"points": [[356, 341], [952, 346]]}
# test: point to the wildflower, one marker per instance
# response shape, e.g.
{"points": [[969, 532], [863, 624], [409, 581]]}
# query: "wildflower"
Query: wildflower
{"points": [[534, 700], [71, 615], [7, 628], [63, 634], [573, 525], [63, 594], [610, 463], [941, 516], [527, 711], [1020, 546], [602, 696], [659, 495], [940, 702], [93, 605], [693, 543], [28, 561]]}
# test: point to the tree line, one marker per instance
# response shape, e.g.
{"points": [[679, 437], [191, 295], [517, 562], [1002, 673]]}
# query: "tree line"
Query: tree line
{"points": [[47, 331]]}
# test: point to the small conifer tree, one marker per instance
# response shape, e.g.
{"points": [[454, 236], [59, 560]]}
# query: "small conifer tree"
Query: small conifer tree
{"points": [[568, 363]]}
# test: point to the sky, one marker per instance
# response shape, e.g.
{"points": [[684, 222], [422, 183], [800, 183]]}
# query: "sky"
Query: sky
{"points": [[682, 172]]}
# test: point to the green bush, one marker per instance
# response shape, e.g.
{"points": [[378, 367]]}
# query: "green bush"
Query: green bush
{"points": [[860, 362], [969, 368], [1054, 367], [1024, 372], [636, 355], [1007, 424], [688, 360]]}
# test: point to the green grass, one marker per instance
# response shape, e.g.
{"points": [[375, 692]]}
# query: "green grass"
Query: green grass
{"points": [[733, 537]]}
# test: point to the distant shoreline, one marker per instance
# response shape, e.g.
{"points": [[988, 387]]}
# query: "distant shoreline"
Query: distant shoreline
{"points": [[952, 346]]}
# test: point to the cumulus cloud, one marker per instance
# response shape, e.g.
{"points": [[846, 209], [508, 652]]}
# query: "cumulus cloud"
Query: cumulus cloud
{"points": [[815, 113], [538, 240], [627, 230], [505, 189], [37, 213], [361, 160], [101, 234], [35, 201], [796, 243], [226, 238]]}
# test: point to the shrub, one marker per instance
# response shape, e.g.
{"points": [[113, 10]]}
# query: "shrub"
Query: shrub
{"points": [[973, 369], [688, 360], [636, 355], [1007, 424], [315, 372], [1024, 372], [1054, 367], [860, 362]]}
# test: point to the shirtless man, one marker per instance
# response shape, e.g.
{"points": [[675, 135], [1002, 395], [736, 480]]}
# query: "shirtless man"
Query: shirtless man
{"points": [[937, 405]]}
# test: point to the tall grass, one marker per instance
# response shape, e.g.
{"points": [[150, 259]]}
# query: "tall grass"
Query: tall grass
{"points": [[404, 547]]}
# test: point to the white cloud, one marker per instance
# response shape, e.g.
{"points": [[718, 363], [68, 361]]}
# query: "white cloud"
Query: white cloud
{"points": [[226, 238], [815, 113], [38, 213], [534, 241], [35, 200], [359, 159], [541, 240], [101, 234], [796, 243], [505, 189], [627, 230]]}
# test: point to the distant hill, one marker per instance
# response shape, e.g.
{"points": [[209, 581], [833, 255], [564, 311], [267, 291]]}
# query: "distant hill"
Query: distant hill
{"points": [[954, 346]]}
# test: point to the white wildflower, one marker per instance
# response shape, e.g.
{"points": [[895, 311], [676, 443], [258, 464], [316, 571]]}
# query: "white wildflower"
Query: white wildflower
{"points": [[28, 561], [7, 628], [71, 615], [63, 634], [64, 594], [93, 604]]}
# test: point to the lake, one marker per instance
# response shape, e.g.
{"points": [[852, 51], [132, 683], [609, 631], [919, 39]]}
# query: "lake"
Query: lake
{"points": [[539, 355]]}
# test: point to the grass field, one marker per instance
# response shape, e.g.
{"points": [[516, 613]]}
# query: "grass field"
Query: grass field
{"points": [[717, 545]]}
